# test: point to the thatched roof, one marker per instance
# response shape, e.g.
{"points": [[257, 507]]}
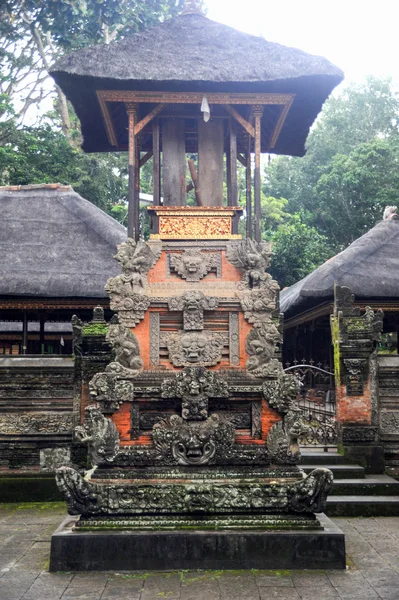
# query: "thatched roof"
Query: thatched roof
{"points": [[54, 243], [369, 267], [191, 52]]}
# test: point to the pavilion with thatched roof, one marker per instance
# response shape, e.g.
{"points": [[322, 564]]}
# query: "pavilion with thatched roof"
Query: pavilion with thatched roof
{"points": [[369, 267], [58, 250]]}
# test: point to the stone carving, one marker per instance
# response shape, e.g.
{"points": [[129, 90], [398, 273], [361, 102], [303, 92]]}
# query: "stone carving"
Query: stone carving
{"points": [[359, 433], [192, 264], [252, 259], [344, 301], [195, 347], [282, 441], [136, 259], [355, 365], [259, 303], [234, 339], [261, 347], [194, 385], [193, 305], [129, 306], [100, 434], [256, 424], [310, 495], [281, 393], [303, 496], [154, 338], [77, 327], [110, 391], [127, 351], [389, 422], [35, 422], [193, 443], [54, 458]]}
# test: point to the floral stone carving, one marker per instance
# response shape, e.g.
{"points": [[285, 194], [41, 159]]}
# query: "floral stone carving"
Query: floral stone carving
{"points": [[110, 391], [193, 443], [192, 264], [281, 393], [101, 435]]}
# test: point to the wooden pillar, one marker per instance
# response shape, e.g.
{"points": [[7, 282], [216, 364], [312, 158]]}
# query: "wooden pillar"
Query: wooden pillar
{"points": [[41, 335], [24, 333], [210, 162], [248, 188], [156, 163], [174, 162], [133, 200], [233, 197], [257, 112]]}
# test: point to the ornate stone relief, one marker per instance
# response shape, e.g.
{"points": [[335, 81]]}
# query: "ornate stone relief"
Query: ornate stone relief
{"points": [[303, 496], [128, 291], [193, 443], [193, 305], [195, 347], [128, 362], [36, 422], [281, 393], [261, 347], [192, 264], [110, 391], [101, 435], [282, 441], [252, 259], [389, 422], [259, 303], [194, 385]]}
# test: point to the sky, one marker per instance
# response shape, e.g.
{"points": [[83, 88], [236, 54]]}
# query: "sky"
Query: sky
{"points": [[359, 36]]}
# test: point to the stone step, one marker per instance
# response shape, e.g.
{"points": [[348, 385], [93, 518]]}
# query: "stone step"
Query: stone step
{"points": [[339, 471], [362, 506], [378, 485], [310, 457]]}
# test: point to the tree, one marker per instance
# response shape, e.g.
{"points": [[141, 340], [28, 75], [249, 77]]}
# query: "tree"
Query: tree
{"points": [[34, 33], [342, 176], [298, 249]]}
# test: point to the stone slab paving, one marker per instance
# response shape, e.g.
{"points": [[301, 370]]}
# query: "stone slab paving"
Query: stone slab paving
{"points": [[25, 531]]}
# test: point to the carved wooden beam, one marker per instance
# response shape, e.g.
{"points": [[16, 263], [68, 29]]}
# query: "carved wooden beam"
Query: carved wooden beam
{"points": [[247, 126], [145, 158], [148, 118]]}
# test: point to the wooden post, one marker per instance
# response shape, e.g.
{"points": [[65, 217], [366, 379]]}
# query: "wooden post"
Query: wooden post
{"points": [[156, 163], [248, 189], [24, 333], [133, 208], [42, 321], [257, 112], [210, 161], [233, 198]]}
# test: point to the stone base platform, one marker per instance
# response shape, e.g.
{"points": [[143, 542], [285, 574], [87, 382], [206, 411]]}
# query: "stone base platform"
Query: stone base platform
{"points": [[101, 550]]}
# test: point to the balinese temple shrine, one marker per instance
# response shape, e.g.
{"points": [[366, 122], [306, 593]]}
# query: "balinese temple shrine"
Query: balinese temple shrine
{"points": [[191, 424]]}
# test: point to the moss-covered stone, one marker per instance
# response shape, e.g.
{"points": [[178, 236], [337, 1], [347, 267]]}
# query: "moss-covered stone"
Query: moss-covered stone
{"points": [[95, 329]]}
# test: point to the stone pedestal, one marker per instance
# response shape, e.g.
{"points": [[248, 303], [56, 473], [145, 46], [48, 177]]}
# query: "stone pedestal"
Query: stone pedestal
{"points": [[74, 550]]}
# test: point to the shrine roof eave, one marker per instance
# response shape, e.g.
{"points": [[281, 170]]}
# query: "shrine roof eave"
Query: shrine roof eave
{"points": [[210, 57], [309, 94], [369, 267]]}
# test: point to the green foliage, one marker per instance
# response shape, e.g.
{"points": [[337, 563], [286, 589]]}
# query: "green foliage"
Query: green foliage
{"points": [[297, 250], [42, 155], [342, 185]]}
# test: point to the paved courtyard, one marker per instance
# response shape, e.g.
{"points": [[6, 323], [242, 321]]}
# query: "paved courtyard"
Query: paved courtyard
{"points": [[25, 530]]}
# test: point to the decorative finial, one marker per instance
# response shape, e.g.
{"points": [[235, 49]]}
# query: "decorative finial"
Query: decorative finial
{"points": [[193, 7]]}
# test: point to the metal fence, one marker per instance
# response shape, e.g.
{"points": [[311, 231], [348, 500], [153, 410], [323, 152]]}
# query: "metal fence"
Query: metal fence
{"points": [[317, 403]]}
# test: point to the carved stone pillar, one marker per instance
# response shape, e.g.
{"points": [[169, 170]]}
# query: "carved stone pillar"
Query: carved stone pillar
{"points": [[355, 338]]}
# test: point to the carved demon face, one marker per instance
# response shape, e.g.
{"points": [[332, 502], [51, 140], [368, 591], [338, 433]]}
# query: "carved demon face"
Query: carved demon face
{"points": [[193, 301], [196, 445], [193, 346], [192, 263]]}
